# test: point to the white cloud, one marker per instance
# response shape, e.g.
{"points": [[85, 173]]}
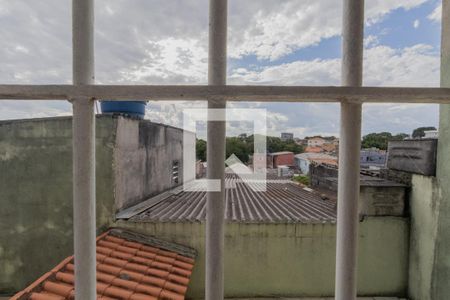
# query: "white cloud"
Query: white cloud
{"points": [[436, 15], [398, 118], [10, 109], [36, 41], [412, 66], [376, 10], [155, 41], [171, 60], [416, 23], [165, 42], [383, 66], [272, 29], [370, 41]]}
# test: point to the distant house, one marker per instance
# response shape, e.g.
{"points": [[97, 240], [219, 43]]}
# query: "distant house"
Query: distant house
{"points": [[283, 158], [302, 142], [313, 149], [303, 160], [287, 136], [329, 147], [431, 134], [316, 141], [372, 158]]}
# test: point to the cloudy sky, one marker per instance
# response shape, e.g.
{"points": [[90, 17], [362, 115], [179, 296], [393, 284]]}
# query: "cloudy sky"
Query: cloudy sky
{"points": [[276, 42]]}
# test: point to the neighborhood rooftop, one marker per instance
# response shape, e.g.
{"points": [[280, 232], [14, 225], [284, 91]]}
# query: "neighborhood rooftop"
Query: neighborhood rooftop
{"points": [[282, 202]]}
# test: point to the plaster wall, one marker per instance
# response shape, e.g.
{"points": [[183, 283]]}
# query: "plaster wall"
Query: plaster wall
{"points": [[294, 260], [144, 156], [133, 161], [382, 200], [424, 204], [36, 195]]}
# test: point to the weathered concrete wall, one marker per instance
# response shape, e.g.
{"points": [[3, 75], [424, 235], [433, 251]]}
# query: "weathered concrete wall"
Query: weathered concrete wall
{"points": [[144, 155], [413, 156], [36, 195], [424, 209], [133, 161], [382, 200], [295, 259]]}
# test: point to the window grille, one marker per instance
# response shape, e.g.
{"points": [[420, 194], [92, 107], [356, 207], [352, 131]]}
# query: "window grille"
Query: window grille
{"points": [[83, 92]]}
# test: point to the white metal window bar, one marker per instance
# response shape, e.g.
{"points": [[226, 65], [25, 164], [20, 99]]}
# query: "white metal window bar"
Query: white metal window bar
{"points": [[351, 95]]}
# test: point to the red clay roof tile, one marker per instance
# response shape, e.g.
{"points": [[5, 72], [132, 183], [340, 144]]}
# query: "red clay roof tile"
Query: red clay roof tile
{"points": [[127, 268]]}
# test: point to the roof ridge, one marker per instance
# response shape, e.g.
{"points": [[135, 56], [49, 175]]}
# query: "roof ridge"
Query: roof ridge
{"points": [[153, 241]]}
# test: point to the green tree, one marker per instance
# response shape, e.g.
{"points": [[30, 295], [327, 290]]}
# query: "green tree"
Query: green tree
{"points": [[242, 147], [380, 140], [275, 144], [376, 140], [200, 149], [239, 147], [399, 137], [420, 132]]}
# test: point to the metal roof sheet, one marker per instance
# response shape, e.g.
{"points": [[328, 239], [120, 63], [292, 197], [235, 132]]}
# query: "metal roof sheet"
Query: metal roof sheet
{"points": [[282, 202]]}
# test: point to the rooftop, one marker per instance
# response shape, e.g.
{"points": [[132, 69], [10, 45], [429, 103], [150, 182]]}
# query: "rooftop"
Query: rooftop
{"points": [[313, 150], [280, 153], [282, 202], [129, 266], [372, 181], [329, 161], [313, 155], [318, 157]]}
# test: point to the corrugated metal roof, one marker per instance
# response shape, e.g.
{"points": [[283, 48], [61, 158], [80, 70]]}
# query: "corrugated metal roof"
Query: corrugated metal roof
{"points": [[282, 202]]}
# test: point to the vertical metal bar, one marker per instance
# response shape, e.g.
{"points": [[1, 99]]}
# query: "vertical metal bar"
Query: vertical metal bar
{"points": [[84, 152], [441, 268], [445, 47], [349, 151], [217, 71]]}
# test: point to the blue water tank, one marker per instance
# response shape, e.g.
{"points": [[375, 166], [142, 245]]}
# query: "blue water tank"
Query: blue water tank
{"points": [[135, 109]]}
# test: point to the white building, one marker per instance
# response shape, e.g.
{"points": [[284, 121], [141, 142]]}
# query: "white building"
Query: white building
{"points": [[431, 134]]}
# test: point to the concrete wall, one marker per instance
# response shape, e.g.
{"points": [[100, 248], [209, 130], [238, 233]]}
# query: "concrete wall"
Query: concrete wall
{"points": [[133, 161], [144, 156], [382, 200], [424, 208], [295, 259], [36, 195], [413, 156]]}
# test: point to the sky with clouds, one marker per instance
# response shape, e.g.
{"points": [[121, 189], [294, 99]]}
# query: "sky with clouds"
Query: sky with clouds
{"points": [[275, 42]]}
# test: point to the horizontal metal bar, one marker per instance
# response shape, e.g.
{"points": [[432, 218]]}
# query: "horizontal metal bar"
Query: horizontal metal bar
{"points": [[229, 92]]}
